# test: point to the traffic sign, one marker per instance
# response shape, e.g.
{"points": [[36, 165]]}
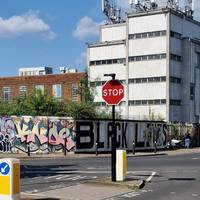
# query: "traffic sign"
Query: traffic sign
{"points": [[113, 92], [4, 168]]}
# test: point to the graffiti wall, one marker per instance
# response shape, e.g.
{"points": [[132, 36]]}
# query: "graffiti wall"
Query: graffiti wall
{"points": [[38, 134], [99, 132]]}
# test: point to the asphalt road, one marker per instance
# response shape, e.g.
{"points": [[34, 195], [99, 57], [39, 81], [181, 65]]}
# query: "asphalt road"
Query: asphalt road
{"points": [[167, 177]]}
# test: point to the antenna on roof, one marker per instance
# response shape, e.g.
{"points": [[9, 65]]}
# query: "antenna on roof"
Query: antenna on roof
{"points": [[143, 5], [111, 11], [189, 8]]}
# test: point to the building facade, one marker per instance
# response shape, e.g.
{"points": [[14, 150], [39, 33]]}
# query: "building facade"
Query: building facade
{"points": [[63, 86], [35, 71], [156, 55]]}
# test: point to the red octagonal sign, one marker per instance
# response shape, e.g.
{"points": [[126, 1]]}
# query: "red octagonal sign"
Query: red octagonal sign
{"points": [[113, 92]]}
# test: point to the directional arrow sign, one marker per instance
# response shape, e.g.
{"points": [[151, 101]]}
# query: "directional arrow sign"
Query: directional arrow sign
{"points": [[4, 168]]}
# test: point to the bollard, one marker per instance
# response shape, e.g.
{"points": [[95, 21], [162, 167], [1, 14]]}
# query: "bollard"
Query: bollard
{"points": [[65, 147], [155, 146], [96, 148], [28, 150], [121, 165], [9, 179], [133, 147]]}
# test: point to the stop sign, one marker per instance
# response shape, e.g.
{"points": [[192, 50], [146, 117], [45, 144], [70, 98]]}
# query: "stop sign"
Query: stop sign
{"points": [[113, 92]]}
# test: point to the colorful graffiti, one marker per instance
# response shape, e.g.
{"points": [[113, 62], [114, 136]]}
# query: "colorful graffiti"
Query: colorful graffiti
{"points": [[36, 134]]}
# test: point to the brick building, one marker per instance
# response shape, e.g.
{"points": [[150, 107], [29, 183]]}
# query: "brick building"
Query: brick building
{"points": [[59, 85]]}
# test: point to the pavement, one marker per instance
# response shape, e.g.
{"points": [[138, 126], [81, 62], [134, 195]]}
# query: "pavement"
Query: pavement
{"points": [[98, 189]]}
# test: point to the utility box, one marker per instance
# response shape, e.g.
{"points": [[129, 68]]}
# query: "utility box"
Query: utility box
{"points": [[120, 165], [9, 179]]}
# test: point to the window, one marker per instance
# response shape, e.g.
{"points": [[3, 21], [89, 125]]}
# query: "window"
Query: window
{"points": [[175, 80], [175, 35], [74, 92], [175, 57], [147, 35], [57, 91], [22, 91], [147, 102], [175, 102], [108, 62], [39, 88], [6, 94], [147, 57], [148, 79]]}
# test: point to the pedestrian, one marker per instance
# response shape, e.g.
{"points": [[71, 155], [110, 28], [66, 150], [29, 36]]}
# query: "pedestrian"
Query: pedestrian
{"points": [[187, 140]]}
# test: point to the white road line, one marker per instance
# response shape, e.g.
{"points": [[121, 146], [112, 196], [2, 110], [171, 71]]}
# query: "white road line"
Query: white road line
{"points": [[62, 177], [56, 176], [150, 177], [195, 158]]}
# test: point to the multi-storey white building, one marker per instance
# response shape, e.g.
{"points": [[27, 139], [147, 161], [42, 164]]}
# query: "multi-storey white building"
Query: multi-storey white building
{"points": [[156, 55]]}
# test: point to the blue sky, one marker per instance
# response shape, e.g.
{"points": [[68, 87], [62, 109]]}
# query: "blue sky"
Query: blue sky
{"points": [[48, 32]]}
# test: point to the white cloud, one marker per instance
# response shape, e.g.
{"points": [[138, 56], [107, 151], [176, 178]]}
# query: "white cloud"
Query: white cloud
{"points": [[82, 59], [26, 24], [86, 27]]}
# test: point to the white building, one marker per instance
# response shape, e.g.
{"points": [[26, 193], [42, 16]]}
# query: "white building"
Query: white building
{"points": [[156, 55], [34, 71]]}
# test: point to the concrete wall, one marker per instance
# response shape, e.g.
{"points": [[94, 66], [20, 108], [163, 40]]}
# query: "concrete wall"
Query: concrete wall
{"points": [[113, 33]]}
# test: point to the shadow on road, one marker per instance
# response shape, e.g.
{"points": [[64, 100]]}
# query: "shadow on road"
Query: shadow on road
{"points": [[31, 171], [182, 179]]}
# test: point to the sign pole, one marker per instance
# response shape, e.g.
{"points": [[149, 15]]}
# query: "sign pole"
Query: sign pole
{"points": [[113, 161], [113, 138]]}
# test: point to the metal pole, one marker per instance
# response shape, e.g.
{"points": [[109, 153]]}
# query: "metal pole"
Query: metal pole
{"points": [[133, 147], [96, 145], [113, 138], [155, 147], [65, 145], [113, 162]]}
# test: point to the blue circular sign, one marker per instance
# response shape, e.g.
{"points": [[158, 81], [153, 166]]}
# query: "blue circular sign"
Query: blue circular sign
{"points": [[4, 168]]}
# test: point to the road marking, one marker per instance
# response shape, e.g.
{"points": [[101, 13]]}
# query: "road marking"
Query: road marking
{"points": [[172, 192], [150, 177], [49, 177], [62, 177], [195, 158], [195, 195]]}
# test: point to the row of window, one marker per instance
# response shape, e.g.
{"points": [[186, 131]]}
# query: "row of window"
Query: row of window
{"points": [[56, 91], [147, 35], [175, 102], [147, 102], [154, 34], [175, 57], [136, 58], [147, 57], [147, 80], [122, 103], [140, 80], [108, 62], [101, 83], [175, 80], [175, 35]]}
